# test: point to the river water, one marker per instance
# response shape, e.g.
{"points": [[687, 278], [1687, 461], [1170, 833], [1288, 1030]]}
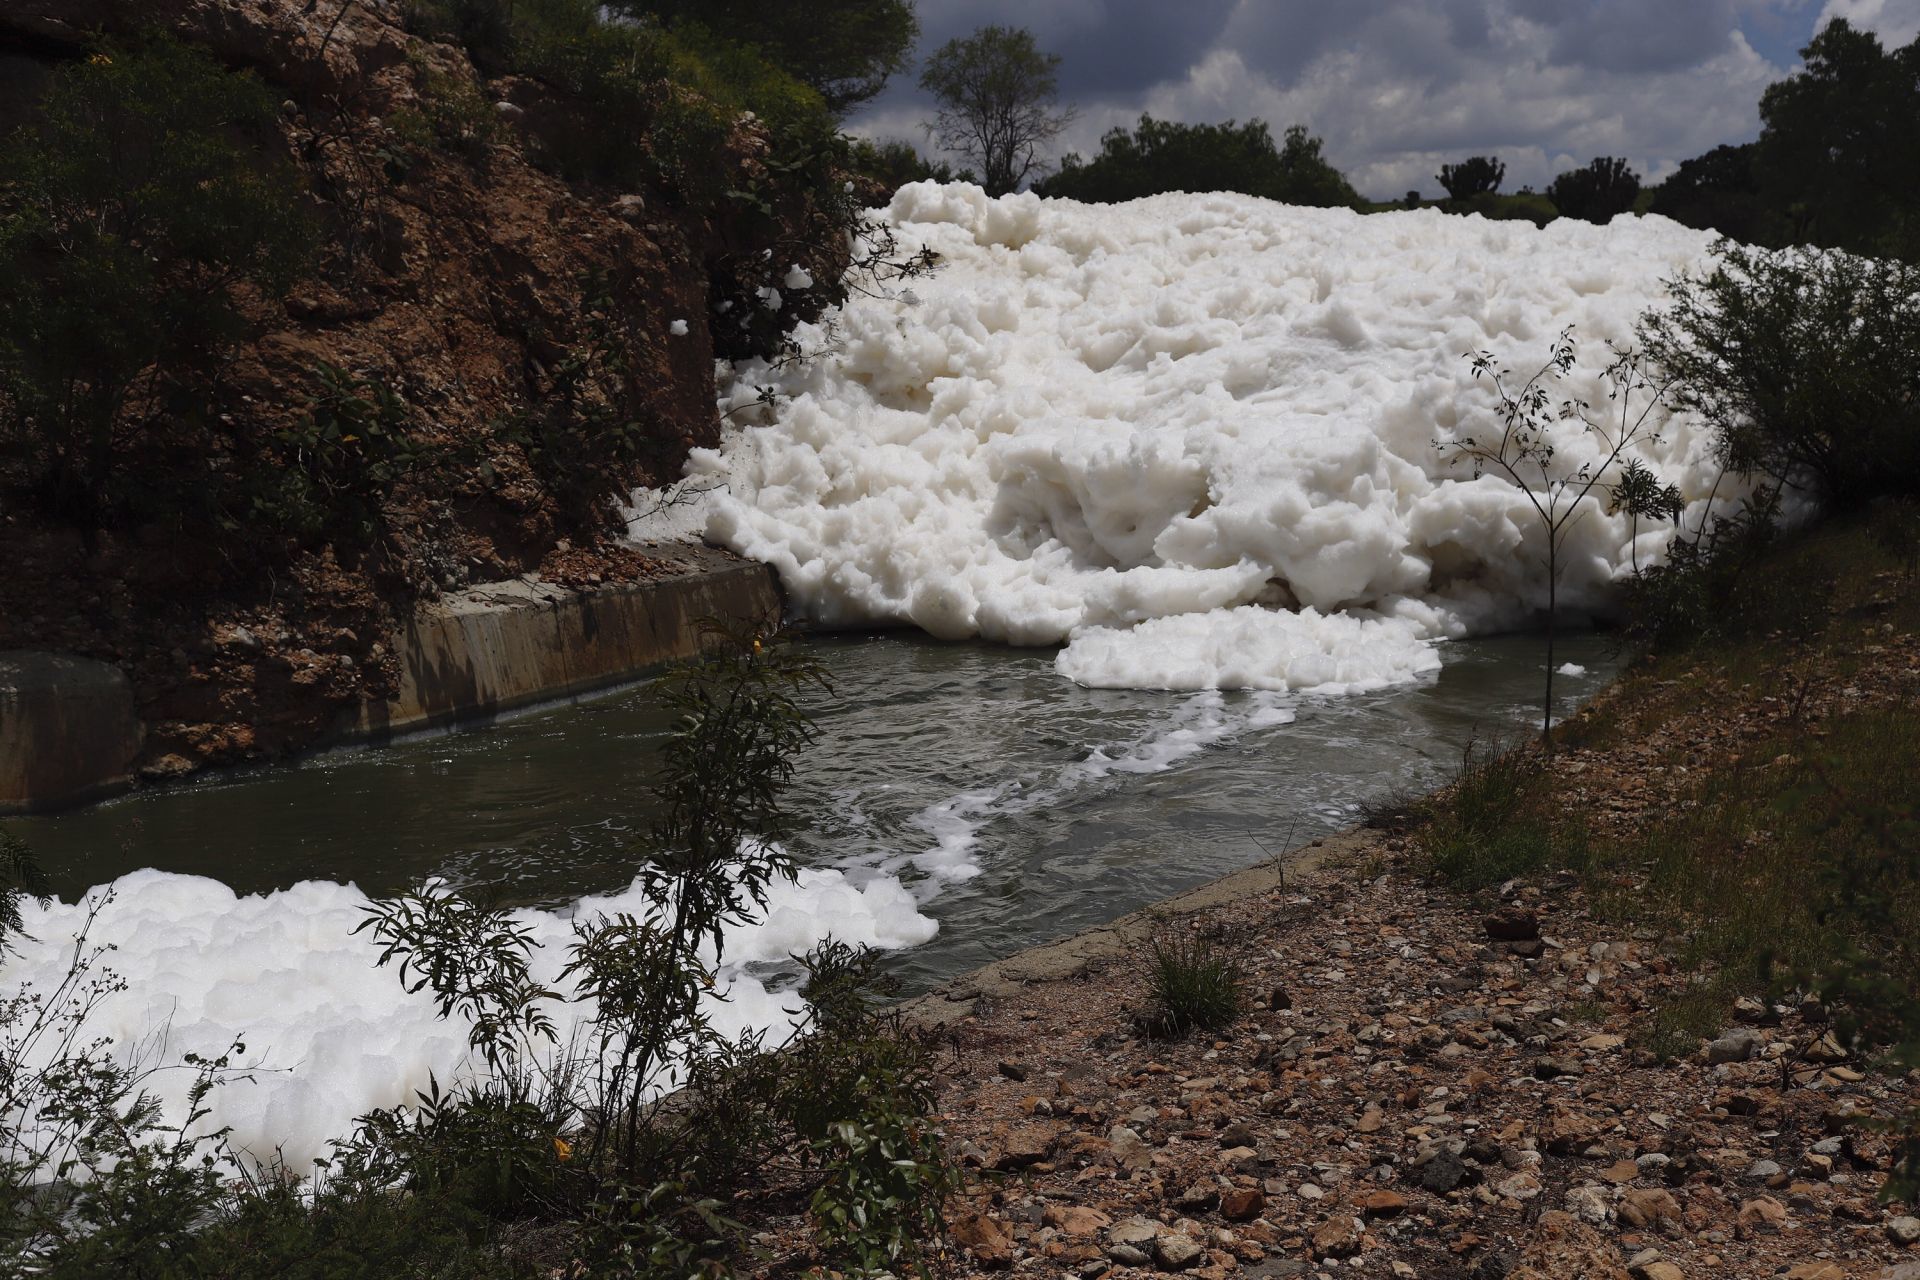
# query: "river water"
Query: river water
{"points": [[1018, 806]]}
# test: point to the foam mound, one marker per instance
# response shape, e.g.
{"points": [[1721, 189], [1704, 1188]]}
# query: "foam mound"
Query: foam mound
{"points": [[331, 1035], [1191, 438]]}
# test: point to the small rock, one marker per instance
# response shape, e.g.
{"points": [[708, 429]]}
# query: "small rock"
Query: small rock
{"points": [[1242, 1204], [1737, 1045], [1014, 1071], [1383, 1204], [1521, 1186], [1592, 1203], [1129, 1149], [1761, 1170], [1904, 1231], [1198, 1197], [1135, 1231], [1512, 924], [1075, 1220], [1128, 1255], [1337, 1237], [1175, 1252], [1024, 1144], [989, 1240], [1816, 1271], [1443, 1173], [1763, 1213], [1648, 1208], [1239, 1134]]}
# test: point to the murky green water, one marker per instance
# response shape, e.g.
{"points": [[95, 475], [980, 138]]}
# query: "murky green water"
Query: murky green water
{"points": [[1068, 806]]}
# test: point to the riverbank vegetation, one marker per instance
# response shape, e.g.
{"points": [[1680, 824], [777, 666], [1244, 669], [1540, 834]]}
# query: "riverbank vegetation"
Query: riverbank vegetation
{"points": [[1772, 693]]}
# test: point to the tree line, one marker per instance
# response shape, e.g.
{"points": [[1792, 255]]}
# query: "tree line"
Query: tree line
{"points": [[1837, 163]]}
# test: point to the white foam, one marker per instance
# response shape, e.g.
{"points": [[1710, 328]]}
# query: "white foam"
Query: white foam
{"points": [[1209, 408], [333, 1035]]}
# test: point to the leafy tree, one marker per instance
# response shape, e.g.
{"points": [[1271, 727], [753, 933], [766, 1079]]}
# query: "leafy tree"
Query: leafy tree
{"points": [[1719, 191], [1165, 155], [845, 50], [1806, 365], [1605, 188], [1472, 177], [1838, 150], [997, 94], [132, 215], [1307, 178]]}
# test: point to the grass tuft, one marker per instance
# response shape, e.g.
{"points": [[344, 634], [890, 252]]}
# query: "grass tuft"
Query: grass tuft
{"points": [[1195, 982]]}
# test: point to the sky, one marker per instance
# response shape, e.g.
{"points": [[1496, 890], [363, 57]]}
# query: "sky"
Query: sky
{"points": [[1397, 88]]}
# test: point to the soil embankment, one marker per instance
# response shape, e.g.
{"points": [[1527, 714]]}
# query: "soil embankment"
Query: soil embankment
{"points": [[462, 278]]}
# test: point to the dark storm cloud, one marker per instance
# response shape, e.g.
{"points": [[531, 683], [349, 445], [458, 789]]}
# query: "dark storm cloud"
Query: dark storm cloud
{"points": [[1105, 46], [1635, 35], [1399, 87], [1137, 44]]}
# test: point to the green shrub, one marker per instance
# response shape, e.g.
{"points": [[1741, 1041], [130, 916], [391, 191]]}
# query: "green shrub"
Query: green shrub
{"points": [[328, 476], [1475, 176], [653, 104], [133, 212], [20, 879], [1165, 155], [594, 419], [1525, 206], [844, 51], [1194, 982], [853, 1092], [1712, 587], [1601, 191], [1804, 364], [453, 114], [1894, 526], [894, 162]]}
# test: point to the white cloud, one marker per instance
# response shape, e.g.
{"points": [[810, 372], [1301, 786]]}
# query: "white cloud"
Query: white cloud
{"points": [[1896, 22]]}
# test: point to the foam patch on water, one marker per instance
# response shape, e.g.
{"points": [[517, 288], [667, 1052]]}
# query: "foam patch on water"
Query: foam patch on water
{"points": [[1094, 421], [1250, 648], [955, 824], [332, 1035]]}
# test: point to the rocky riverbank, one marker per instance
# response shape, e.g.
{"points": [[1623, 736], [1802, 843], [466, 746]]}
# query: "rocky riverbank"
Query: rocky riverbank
{"points": [[1433, 1083], [1430, 1086]]}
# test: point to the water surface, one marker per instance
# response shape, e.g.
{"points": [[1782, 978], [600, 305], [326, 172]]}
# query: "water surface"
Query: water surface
{"points": [[1069, 806]]}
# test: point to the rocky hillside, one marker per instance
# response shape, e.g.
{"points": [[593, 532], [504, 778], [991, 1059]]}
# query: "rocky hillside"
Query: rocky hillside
{"points": [[528, 343]]}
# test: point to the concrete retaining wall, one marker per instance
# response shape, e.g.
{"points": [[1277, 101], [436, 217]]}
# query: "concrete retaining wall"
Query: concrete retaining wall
{"points": [[69, 733], [513, 644]]}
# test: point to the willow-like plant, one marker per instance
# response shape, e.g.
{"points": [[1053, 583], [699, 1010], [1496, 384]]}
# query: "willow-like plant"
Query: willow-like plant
{"points": [[1524, 447]]}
